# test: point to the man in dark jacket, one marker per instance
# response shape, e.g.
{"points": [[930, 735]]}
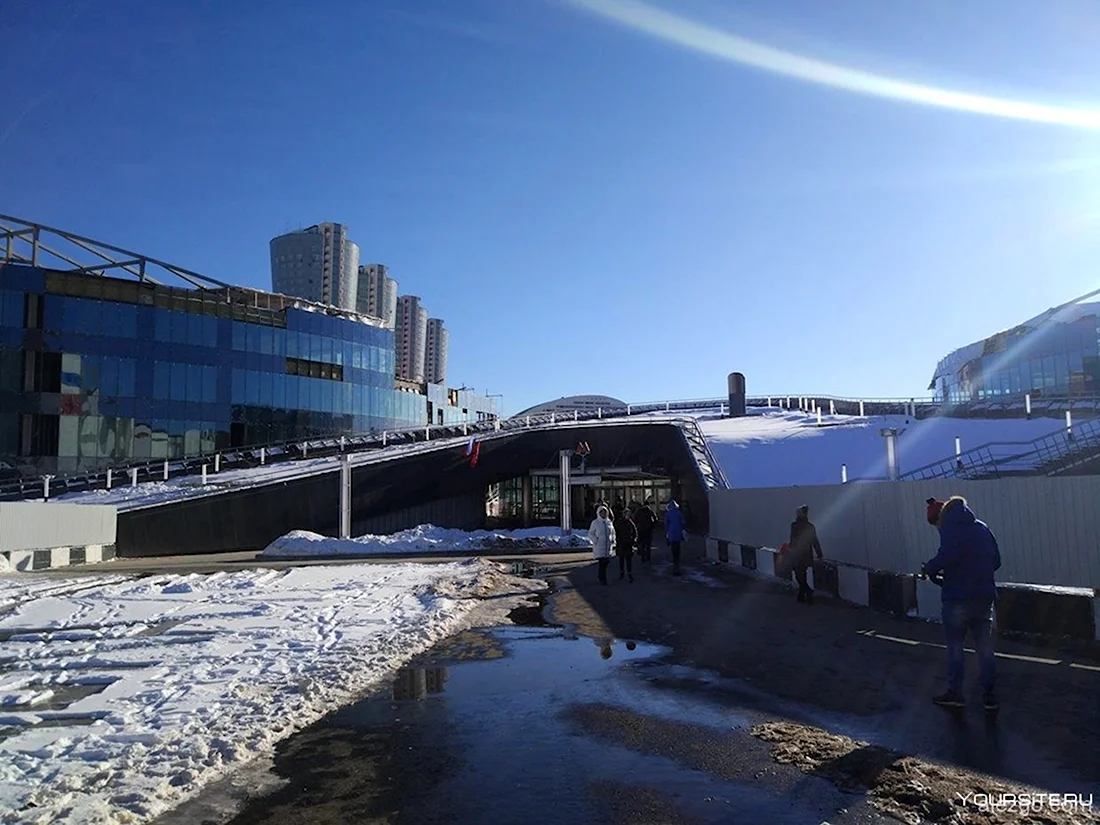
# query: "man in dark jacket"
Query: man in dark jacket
{"points": [[626, 535], [674, 533], [645, 520], [967, 560], [804, 544]]}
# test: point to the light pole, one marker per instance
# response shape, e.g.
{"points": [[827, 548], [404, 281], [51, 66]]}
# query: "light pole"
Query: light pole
{"points": [[499, 395]]}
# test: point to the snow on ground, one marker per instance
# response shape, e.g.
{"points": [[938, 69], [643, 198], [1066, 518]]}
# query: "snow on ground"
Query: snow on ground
{"points": [[22, 587], [785, 449], [426, 538], [118, 701]]}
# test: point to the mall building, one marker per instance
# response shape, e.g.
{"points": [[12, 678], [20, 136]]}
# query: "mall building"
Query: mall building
{"points": [[97, 370], [1052, 355]]}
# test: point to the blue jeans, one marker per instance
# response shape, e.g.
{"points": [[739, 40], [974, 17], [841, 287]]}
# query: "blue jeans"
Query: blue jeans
{"points": [[977, 617]]}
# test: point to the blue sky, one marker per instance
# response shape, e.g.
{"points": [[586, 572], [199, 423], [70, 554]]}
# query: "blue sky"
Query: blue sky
{"points": [[591, 207]]}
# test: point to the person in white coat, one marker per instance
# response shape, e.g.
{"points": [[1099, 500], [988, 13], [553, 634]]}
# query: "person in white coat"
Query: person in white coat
{"points": [[602, 535]]}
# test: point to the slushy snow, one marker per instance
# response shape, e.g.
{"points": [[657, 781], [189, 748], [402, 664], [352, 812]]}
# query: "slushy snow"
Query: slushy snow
{"points": [[426, 538], [120, 698], [788, 449]]}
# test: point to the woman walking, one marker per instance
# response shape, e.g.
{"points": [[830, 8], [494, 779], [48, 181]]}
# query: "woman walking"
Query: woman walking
{"points": [[602, 535], [626, 536]]}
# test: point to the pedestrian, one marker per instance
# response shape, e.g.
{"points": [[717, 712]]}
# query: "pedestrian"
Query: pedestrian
{"points": [[645, 520], [674, 533], [804, 545], [967, 559], [626, 536], [602, 535]]}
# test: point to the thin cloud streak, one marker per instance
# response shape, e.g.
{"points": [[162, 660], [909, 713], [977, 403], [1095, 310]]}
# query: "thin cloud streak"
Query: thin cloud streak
{"points": [[706, 39]]}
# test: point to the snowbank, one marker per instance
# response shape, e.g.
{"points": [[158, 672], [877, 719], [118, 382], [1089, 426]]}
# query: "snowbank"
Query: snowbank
{"points": [[426, 538], [197, 674], [785, 449]]}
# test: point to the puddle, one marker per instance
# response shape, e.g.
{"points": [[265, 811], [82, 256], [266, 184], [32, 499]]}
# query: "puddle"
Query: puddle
{"points": [[524, 724]]}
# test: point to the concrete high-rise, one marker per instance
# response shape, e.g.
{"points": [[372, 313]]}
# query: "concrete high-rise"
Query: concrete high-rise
{"points": [[435, 355], [318, 263], [410, 338], [378, 293]]}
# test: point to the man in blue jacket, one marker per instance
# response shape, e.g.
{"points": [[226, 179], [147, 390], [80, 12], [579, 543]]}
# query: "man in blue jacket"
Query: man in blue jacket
{"points": [[674, 533], [967, 559]]}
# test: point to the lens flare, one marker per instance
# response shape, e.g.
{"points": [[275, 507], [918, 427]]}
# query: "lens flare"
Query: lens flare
{"points": [[706, 39]]}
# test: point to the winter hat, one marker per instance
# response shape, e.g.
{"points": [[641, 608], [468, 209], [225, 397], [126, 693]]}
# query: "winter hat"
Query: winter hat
{"points": [[935, 507]]}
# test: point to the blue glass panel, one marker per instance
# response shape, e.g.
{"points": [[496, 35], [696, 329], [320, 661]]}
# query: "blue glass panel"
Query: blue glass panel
{"points": [[210, 384], [326, 350], [278, 391], [237, 387], [180, 323], [266, 389], [162, 380], [356, 356], [127, 321], [252, 387], [252, 337], [337, 351], [280, 343], [291, 382], [127, 371], [292, 344], [178, 391], [194, 382], [162, 325], [196, 329], [108, 376], [240, 337], [266, 341], [1076, 361]]}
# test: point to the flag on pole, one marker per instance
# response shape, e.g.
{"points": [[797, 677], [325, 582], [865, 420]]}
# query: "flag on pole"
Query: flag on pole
{"points": [[470, 446], [475, 451], [582, 448]]}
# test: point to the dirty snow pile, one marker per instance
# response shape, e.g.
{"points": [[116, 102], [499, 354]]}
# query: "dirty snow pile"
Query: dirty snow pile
{"points": [[119, 700], [426, 538]]}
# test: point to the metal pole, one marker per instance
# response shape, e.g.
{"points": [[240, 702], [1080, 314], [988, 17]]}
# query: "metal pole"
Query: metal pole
{"points": [[133, 477], [832, 407], [203, 475], [667, 406], [958, 447], [1069, 424], [46, 487], [861, 409], [465, 430], [528, 421], [166, 469], [565, 458], [427, 433], [263, 456], [108, 478], [843, 473], [217, 462], [599, 412], [552, 419], [383, 438], [343, 442], [575, 416], [345, 497], [819, 416], [1027, 404], [628, 409]]}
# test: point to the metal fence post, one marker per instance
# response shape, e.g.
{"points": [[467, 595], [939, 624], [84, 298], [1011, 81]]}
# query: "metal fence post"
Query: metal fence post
{"points": [[217, 462], [565, 458], [109, 478], [203, 475], [46, 487], [345, 497], [166, 469], [133, 476], [263, 456]]}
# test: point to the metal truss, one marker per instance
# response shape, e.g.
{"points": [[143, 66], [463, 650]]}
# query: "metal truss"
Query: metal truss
{"points": [[26, 242]]}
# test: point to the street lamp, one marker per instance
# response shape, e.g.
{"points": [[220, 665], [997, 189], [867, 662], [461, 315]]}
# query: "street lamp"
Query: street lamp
{"points": [[499, 395]]}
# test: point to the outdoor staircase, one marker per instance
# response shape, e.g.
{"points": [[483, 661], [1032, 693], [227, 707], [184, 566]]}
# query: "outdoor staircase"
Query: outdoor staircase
{"points": [[1065, 452]]}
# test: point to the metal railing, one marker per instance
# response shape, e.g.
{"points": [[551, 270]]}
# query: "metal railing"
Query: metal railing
{"points": [[252, 456], [1046, 455]]}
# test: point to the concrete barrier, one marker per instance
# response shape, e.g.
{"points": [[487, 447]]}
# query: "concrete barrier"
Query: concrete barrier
{"points": [[1021, 609], [1046, 611], [40, 535]]}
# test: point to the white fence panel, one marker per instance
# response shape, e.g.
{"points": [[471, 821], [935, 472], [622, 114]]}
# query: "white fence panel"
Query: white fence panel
{"points": [[1048, 528]]}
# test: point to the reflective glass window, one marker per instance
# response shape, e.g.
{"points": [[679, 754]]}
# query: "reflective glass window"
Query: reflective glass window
{"points": [[180, 324], [52, 315], [280, 343], [240, 338], [162, 324], [292, 350], [237, 387], [162, 379], [1076, 361], [209, 384], [252, 336], [278, 390], [196, 332], [266, 340], [1050, 375], [127, 377], [127, 321], [266, 390], [292, 383], [357, 356], [252, 387], [91, 317], [178, 391], [194, 382], [108, 376]]}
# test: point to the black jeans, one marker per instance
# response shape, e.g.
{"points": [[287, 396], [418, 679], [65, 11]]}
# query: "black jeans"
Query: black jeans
{"points": [[805, 593], [626, 563], [602, 573], [645, 545], [674, 547]]}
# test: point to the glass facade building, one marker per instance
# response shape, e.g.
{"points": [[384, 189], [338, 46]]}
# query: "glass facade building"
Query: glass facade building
{"points": [[1055, 354], [98, 370]]}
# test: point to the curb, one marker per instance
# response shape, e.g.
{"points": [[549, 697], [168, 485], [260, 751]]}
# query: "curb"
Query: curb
{"points": [[28, 561]]}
